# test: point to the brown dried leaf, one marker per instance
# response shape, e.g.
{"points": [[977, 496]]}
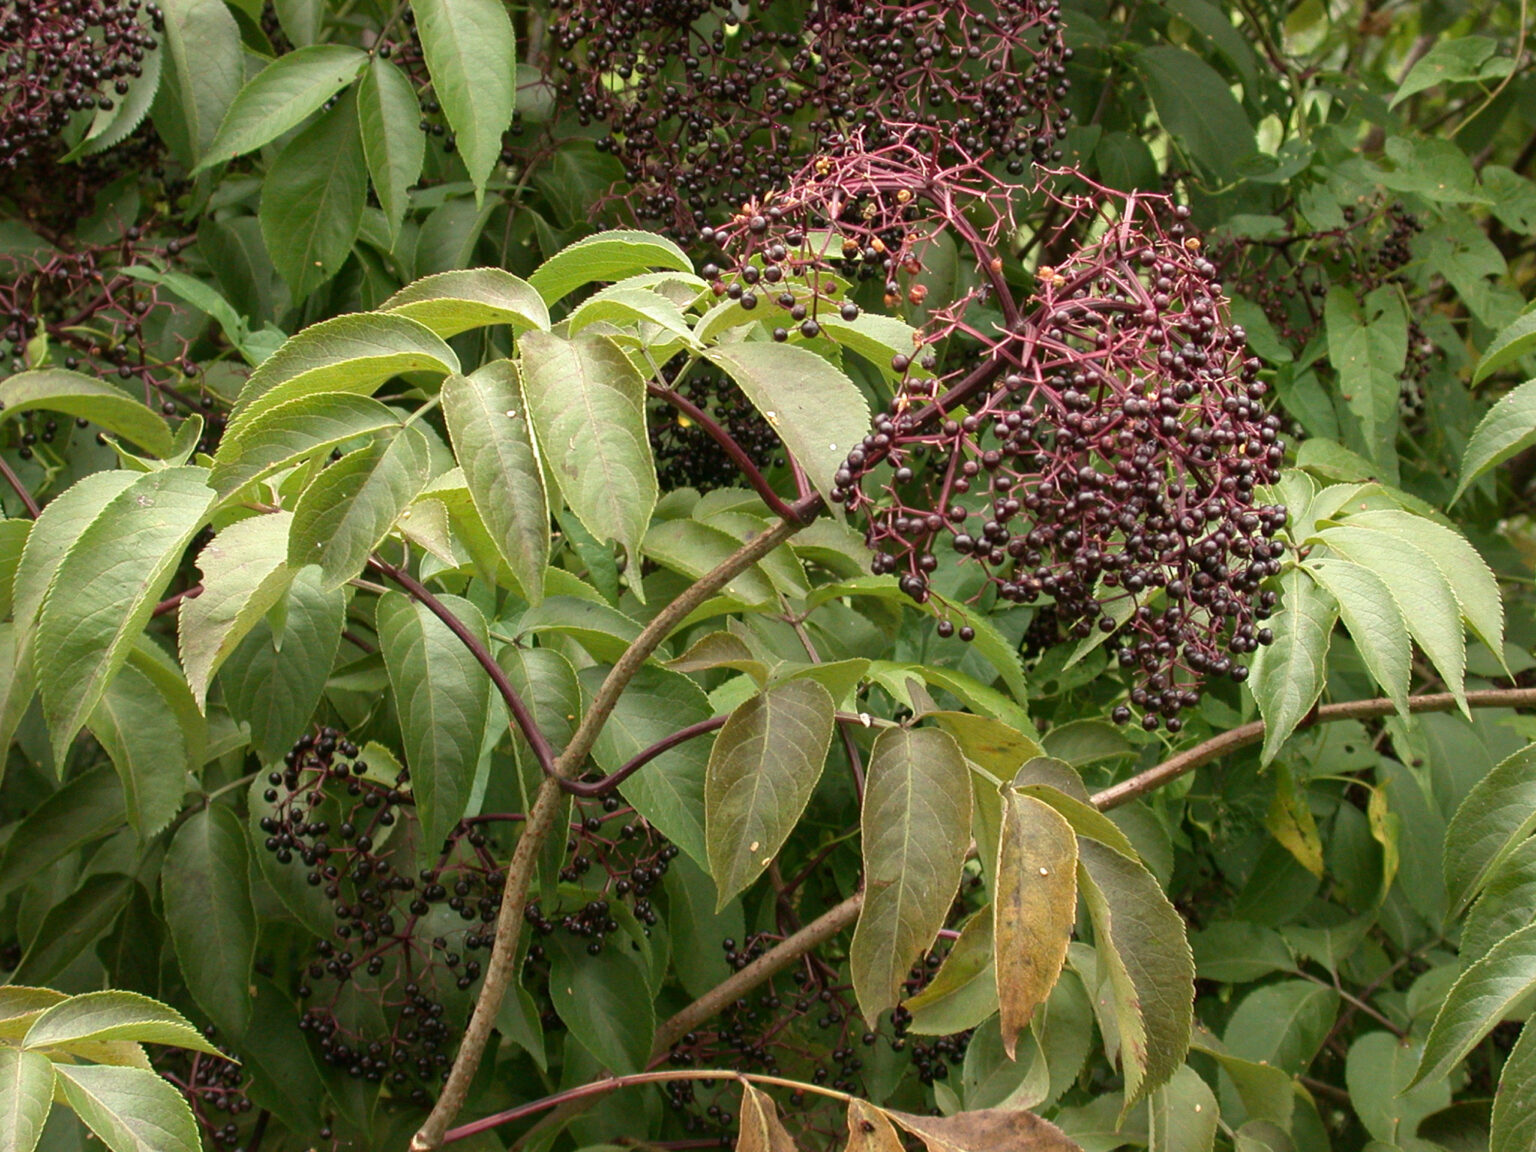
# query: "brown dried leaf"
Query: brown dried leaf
{"points": [[1035, 907], [986, 1130], [761, 1128], [869, 1130]]}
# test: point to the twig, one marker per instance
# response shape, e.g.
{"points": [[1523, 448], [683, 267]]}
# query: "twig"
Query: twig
{"points": [[729, 444], [27, 499], [171, 603], [1246, 734], [542, 752], [548, 804]]}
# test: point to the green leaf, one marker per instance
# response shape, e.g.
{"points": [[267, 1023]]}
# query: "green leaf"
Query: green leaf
{"points": [[13, 539], [137, 727], [90, 808], [1150, 972], [1423, 595], [106, 588], [71, 925], [1377, 1073], [1184, 1114], [313, 198], [1374, 621], [394, 146], [1483, 996], [916, 825], [353, 353], [1195, 105], [1493, 821], [102, 1016], [243, 574], [669, 791], [204, 69], [129, 1109], [1508, 893], [963, 992], [471, 55], [1508, 428], [75, 394], [623, 306], [26, 1097], [275, 688], [281, 97], [604, 1001], [289, 433], [694, 549], [1368, 348], [19, 1006], [809, 402], [762, 771], [1513, 1127], [1449, 61], [1512, 342], [1288, 675], [443, 697], [588, 408], [605, 256], [454, 302], [487, 419], [206, 888], [1470, 580], [349, 508], [111, 126], [1236, 952], [1034, 908]]}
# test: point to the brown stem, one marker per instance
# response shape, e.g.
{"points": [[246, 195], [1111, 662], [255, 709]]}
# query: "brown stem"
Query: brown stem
{"points": [[171, 603], [1246, 734], [542, 817], [27, 499], [590, 788]]}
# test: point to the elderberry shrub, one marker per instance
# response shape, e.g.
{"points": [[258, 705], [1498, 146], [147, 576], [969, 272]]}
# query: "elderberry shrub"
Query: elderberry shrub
{"points": [[1103, 455], [64, 57], [704, 100]]}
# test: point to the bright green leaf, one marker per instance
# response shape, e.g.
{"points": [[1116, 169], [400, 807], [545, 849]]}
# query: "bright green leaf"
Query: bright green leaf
{"points": [[471, 55], [26, 1097], [394, 146], [281, 97], [75, 394], [1374, 621], [606, 256], [129, 1109], [1485, 994], [454, 302], [1507, 430], [1288, 675]]}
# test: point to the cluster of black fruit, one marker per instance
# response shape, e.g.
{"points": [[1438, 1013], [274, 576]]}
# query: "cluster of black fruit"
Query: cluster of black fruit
{"points": [[63, 57], [409, 917], [1289, 278], [704, 100], [1104, 456], [214, 1088], [687, 456]]}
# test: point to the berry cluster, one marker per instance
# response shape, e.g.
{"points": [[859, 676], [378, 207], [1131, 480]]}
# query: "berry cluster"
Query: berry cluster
{"points": [[702, 99], [63, 57], [1102, 456], [686, 455], [214, 1088], [408, 920], [1289, 277], [864, 211]]}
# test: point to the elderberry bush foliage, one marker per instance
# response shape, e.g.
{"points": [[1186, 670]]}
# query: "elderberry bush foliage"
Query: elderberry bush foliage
{"points": [[702, 102], [63, 58]]}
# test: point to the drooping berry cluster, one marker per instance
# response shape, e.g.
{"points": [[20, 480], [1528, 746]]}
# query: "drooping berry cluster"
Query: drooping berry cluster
{"points": [[408, 917], [214, 1088], [860, 211], [84, 313], [1103, 455], [63, 57], [704, 100]]}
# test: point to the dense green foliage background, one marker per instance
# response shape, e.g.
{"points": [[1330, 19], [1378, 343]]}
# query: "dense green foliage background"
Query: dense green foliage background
{"points": [[409, 419]]}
